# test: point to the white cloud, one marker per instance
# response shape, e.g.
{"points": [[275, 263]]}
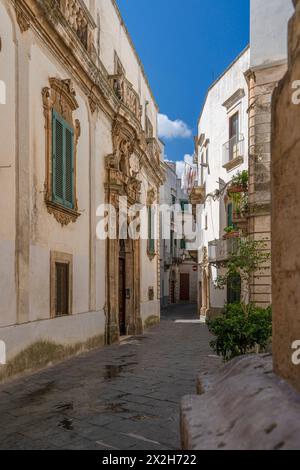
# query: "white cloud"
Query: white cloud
{"points": [[168, 129]]}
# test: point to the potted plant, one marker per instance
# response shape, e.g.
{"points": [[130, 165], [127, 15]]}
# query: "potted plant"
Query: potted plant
{"points": [[240, 205], [239, 183], [231, 232]]}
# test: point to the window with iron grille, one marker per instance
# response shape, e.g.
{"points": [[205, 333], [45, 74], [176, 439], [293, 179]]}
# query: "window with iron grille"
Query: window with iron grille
{"points": [[62, 289], [62, 161]]}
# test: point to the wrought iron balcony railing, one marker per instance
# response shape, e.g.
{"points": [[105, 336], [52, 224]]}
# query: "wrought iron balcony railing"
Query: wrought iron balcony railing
{"points": [[233, 149]]}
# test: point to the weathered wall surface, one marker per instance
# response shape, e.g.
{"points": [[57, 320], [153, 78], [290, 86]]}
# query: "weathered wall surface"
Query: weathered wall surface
{"points": [[268, 62], [285, 210], [8, 185]]}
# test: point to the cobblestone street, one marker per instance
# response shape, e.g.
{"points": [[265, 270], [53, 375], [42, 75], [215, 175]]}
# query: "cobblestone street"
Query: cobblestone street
{"points": [[120, 397]]}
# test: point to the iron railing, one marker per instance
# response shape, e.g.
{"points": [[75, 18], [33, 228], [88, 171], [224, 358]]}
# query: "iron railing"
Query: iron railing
{"points": [[221, 250], [233, 149]]}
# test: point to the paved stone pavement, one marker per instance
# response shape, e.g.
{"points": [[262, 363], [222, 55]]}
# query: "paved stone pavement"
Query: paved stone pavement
{"points": [[119, 397]]}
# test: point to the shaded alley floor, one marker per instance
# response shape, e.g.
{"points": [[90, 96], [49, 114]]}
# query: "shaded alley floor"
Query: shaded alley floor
{"points": [[120, 397]]}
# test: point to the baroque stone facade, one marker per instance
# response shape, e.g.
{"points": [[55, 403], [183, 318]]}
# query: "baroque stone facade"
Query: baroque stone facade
{"points": [[80, 126]]}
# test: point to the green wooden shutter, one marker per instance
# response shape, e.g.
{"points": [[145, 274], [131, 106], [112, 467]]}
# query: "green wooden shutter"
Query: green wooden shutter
{"points": [[69, 168], [230, 215], [57, 159], [151, 240], [62, 161]]}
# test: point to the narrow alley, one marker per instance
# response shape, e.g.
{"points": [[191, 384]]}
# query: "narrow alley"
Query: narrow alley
{"points": [[120, 397]]}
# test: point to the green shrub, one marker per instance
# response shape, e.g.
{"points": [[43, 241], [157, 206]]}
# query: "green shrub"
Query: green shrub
{"points": [[237, 333]]}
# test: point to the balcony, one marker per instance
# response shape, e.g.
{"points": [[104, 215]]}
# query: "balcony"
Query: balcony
{"points": [[153, 149], [220, 250], [125, 92], [233, 152], [80, 20], [198, 195]]}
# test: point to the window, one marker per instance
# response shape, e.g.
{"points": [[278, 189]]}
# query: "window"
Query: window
{"points": [[62, 161], [61, 284], [184, 206], [172, 243], [234, 287], [62, 134], [185, 209], [151, 240], [234, 136], [62, 289], [229, 215], [234, 126], [151, 197]]}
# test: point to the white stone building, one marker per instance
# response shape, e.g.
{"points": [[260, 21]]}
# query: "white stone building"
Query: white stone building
{"points": [[221, 152], [79, 129]]}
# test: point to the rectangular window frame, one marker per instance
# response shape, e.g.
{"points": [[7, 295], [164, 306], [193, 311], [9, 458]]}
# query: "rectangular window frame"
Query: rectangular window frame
{"points": [[66, 128], [60, 258]]}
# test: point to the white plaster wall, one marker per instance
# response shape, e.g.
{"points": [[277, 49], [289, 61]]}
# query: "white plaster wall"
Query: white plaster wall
{"points": [[214, 123], [268, 32], [62, 331], [46, 233], [7, 175], [103, 147]]}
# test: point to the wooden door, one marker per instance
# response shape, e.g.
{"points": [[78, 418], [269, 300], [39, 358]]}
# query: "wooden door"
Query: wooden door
{"points": [[184, 287], [122, 299]]}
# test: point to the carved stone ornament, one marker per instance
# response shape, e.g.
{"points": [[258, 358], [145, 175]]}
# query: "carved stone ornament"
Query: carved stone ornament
{"points": [[93, 105], [60, 96], [151, 197], [123, 165], [23, 23]]}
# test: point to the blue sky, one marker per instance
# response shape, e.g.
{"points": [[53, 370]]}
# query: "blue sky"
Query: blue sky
{"points": [[184, 45]]}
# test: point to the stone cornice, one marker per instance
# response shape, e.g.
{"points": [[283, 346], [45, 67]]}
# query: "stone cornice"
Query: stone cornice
{"points": [[233, 99]]}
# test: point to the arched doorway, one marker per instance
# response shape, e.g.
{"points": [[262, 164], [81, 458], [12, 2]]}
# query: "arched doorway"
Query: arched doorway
{"points": [[123, 315], [128, 289]]}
